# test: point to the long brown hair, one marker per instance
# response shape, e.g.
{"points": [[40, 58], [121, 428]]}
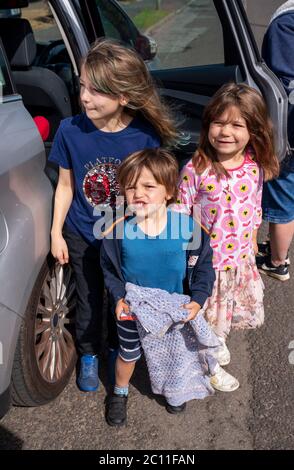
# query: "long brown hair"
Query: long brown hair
{"points": [[253, 109], [117, 70]]}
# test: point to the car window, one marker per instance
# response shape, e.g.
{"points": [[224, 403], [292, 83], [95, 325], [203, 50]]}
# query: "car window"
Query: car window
{"points": [[47, 88], [115, 23], [42, 22], [259, 14], [5, 83], [192, 36]]}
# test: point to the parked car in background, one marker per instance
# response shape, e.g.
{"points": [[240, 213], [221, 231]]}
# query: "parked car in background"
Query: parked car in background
{"points": [[40, 54]]}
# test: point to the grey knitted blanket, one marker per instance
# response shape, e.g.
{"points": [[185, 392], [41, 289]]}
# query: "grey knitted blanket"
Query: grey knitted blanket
{"points": [[179, 356]]}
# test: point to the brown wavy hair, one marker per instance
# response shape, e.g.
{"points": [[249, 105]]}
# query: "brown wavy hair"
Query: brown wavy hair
{"points": [[161, 164], [117, 70], [253, 109]]}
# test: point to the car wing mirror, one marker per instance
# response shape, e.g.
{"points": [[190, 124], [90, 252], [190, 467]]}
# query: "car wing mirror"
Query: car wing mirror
{"points": [[146, 46]]}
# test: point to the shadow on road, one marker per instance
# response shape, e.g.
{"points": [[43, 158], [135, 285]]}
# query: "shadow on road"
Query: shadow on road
{"points": [[141, 382], [9, 441]]}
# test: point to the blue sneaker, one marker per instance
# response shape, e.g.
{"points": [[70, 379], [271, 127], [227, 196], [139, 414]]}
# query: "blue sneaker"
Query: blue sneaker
{"points": [[88, 380], [111, 360]]}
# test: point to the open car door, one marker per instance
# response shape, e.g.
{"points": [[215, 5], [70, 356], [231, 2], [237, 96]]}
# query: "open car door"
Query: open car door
{"points": [[200, 47]]}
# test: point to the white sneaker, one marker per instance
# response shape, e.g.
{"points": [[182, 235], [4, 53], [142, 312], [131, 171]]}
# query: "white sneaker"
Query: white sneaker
{"points": [[222, 354], [223, 381]]}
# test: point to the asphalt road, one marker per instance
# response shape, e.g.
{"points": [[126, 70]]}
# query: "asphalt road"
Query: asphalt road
{"points": [[201, 43], [259, 415]]}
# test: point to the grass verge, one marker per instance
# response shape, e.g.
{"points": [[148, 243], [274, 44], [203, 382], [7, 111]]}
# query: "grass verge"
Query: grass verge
{"points": [[147, 18]]}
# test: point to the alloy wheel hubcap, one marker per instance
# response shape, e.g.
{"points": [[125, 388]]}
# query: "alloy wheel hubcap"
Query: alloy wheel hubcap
{"points": [[54, 343]]}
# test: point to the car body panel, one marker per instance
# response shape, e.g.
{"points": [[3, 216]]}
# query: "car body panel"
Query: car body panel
{"points": [[242, 64], [25, 203], [75, 33], [10, 323], [240, 51], [258, 74]]}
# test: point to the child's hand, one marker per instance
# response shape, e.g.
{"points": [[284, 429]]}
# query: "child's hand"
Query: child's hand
{"points": [[59, 249], [193, 308], [122, 310]]}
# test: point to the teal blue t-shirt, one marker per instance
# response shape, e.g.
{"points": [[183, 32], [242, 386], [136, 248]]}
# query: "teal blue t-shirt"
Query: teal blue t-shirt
{"points": [[160, 261]]}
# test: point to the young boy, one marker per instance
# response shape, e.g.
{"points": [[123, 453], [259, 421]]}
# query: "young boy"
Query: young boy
{"points": [[153, 250]]}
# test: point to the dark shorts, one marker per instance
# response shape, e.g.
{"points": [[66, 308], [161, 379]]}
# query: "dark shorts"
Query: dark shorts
{"points": [[129, 341], [278, 195]]}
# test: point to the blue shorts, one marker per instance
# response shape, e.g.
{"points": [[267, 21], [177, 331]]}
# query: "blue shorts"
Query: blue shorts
{"points": [[278, 195]]}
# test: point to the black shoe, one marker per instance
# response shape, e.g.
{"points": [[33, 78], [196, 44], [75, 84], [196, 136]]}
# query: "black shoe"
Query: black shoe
{"points": [[116, 410], [264, 248], [278, 272], [175, 409], [260, 259]]}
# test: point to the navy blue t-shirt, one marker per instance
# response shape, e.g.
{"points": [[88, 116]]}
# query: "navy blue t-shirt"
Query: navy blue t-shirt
{"points": [[93, 156]]}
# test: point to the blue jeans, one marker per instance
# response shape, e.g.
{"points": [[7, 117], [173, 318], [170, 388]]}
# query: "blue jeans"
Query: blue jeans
{"points": [[278, 195]]}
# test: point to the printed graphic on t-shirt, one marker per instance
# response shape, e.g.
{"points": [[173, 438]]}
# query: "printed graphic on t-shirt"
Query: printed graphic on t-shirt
{"points": [[100, 185]]}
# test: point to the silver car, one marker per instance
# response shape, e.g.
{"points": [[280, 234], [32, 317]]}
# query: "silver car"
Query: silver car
{"points": [[39, 66]]}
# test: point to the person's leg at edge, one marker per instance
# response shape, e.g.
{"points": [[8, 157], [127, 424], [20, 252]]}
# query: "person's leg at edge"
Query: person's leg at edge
{"points": [[281, 236], [278, 210]]}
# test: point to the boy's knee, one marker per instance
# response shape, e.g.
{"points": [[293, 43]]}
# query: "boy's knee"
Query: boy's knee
{"points": [[130, 355]]}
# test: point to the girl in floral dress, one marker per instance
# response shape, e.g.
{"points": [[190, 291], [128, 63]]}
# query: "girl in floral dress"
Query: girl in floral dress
{"points": [[223, 183]]}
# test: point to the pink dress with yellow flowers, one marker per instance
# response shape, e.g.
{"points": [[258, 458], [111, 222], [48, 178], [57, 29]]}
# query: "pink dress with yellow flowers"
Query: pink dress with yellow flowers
{"points": [[230, 209]]}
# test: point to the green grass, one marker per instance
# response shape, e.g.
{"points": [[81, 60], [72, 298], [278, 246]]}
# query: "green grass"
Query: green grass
{"points": [[147, 18]]}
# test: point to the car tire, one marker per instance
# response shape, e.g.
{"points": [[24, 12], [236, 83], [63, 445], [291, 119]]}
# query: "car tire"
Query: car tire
{"points": [[45, 354]]}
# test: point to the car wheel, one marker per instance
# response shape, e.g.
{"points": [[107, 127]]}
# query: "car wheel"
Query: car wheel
{"points": [[45, 354]]}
